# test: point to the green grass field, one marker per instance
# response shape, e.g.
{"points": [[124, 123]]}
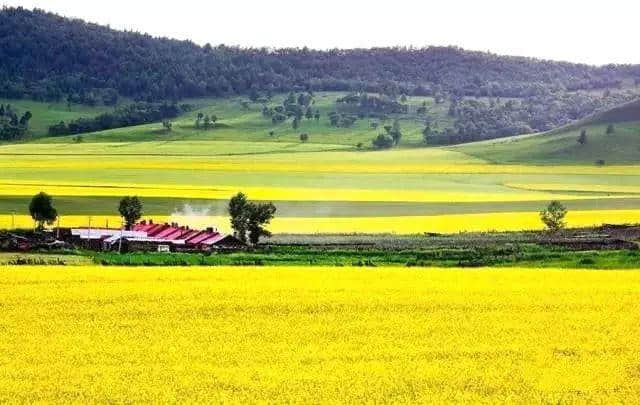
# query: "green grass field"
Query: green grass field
{"points": [[46, 114], [327, 177]]}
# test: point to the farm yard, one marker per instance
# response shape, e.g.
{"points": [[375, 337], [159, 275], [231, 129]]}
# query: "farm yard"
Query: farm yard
{"points": [[317, 334]]}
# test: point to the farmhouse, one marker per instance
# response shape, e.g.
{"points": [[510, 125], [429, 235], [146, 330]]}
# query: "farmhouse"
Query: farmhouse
{"points": [[150, 237]]}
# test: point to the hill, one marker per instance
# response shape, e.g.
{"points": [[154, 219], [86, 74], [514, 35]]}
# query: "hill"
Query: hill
{"points": [[561, 146], [48, 57]]}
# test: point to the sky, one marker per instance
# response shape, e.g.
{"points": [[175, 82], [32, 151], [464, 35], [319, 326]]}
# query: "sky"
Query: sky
{"points": [[586, 31]]}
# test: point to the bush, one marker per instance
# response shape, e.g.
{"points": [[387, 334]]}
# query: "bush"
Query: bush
{"points": [[383, 141]]}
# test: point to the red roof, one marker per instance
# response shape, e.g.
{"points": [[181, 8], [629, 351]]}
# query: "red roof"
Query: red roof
{"points": [[167, 231], [213, 239], [172, 231], [201, 238], [156, 229]]}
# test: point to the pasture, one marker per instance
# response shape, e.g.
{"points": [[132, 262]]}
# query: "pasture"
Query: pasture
{"points": [[87, 334]]}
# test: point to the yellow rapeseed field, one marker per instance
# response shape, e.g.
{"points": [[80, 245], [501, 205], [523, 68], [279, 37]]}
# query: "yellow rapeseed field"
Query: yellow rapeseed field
{"points": [[449, 223], [599, 188], [318, 335], [325, 162], [25, 188]]}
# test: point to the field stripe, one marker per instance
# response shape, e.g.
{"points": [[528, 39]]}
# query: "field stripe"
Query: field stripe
{"points": [[485, 222]]}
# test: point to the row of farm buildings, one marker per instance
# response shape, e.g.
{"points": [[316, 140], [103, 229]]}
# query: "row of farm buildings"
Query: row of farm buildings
{"points": [[147, 236]]}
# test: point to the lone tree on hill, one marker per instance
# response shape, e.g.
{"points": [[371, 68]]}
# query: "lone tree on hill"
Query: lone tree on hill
{"points": [[582, 139], [304, 137], [426, 133], [167, 125], [553, 216], [610, 129], [42, 211], [131, 210], [199, 119], [249, 218], [383, 141]]}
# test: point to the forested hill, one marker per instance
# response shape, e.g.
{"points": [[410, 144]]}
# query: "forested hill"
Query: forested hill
{"points": [[48, 57]]}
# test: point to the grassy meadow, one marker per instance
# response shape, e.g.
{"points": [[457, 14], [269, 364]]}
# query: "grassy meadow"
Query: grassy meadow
{"points": [[327, 184], [83, 334]]}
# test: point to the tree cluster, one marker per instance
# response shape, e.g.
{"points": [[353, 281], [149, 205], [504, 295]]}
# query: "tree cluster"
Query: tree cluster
{"points": [[390, 138], [365, 105], [133, 114], [13, 125], [296, 107]]}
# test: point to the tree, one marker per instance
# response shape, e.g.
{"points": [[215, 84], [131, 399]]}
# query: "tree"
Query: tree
{"points": [[42, 211], [422, 109], [248, 218], [199, 118], [24, 120], [259, 215], [295, 123], [237, 210], [611, 129], [582, 139], [167, 125], [553, 216], [214, 118], [207, 122], [426, 133], [308, 114], [317, 116], [131, 210], [304, 137], [394, 131]]}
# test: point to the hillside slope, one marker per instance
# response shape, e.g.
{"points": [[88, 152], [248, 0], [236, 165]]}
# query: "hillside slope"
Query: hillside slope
{"points": [[561, 146], [46, 56]]}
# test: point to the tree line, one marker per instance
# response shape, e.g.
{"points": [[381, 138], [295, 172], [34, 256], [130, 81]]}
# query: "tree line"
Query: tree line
{"points": [[130, 115], [51, 58]]}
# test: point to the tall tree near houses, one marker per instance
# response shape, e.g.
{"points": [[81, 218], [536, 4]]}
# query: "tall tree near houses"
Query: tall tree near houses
{"points": [[42, 210], [237, 209], [248, 219], [130, 210]]}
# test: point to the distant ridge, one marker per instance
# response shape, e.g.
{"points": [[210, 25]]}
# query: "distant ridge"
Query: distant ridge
{"points": [[44, 56]]}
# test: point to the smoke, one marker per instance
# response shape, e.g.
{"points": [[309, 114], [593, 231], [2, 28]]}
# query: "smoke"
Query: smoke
{"points": [[198, 217]]}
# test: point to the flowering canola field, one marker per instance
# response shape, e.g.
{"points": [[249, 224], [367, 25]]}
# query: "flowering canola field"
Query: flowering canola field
{"points": [[201, 171], [210, 335], [447, 223]]}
